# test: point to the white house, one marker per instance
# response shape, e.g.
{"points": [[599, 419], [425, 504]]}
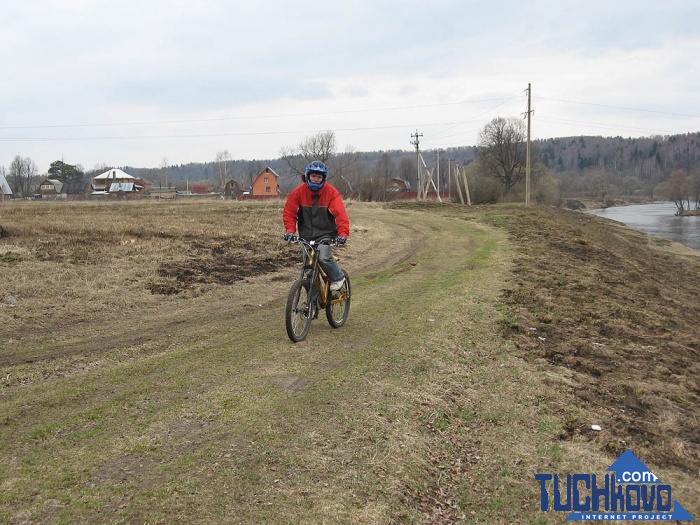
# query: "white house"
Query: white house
{"points": [[113, 181], [4, 189]]}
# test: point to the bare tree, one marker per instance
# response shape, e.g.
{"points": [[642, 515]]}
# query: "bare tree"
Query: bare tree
{"points": [[222, 168], [501, 150], [249, 173], [695, 187], [22, 172], [679, 190], [345, 165], [407, 170], [321, 146], [598, 184], [383, 173], [385, 167]]}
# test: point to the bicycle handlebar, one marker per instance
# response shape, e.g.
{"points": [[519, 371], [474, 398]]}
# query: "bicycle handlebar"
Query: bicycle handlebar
{"points": [[298, 240]]}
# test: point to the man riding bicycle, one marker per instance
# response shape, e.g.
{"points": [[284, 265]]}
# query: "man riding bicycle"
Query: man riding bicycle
{"points": [[316, 210]]}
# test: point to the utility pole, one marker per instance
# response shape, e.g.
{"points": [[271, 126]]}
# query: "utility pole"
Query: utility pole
{"points": [[416, 143], [438, 172], [449, 179], [527, 154]]}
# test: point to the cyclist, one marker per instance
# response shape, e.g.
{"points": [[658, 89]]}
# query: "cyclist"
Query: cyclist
{"points": [[316, 210]]}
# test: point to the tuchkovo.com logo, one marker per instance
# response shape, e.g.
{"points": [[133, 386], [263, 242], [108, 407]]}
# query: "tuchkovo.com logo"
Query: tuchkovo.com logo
{"points": [[628, 491]]}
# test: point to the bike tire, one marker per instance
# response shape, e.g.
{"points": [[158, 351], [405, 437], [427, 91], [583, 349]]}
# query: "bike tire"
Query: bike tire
{"points": [[298, 313], [337, 310]]}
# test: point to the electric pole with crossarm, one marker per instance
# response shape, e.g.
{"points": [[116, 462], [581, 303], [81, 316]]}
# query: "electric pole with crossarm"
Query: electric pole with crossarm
{"points": [[527, 149], [416, 143]]}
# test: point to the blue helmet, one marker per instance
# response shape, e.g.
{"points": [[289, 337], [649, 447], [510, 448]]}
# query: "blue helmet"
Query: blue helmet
{"points": [[316, 167]]}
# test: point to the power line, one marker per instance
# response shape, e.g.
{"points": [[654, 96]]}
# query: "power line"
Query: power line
{"points": [[620, 107], [600, 125], [474, 117], [254, 117], [205, 135]]}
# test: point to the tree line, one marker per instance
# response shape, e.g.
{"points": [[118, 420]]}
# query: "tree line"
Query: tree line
{"points": [[598, 167]]}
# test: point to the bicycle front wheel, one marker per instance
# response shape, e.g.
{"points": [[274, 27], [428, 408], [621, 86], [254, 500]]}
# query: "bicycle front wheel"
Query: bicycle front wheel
{"points": [[338, 307], [299, 311]]}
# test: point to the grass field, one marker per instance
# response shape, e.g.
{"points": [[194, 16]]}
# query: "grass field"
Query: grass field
{"points": [[146, 377]]}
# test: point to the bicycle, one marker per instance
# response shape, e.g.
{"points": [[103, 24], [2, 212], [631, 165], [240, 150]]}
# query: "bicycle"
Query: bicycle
{"points": [[312, 291]]}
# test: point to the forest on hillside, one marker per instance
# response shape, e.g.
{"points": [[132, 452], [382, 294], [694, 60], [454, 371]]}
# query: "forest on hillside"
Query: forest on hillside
{"points": [[629, 164], [580, 165]]}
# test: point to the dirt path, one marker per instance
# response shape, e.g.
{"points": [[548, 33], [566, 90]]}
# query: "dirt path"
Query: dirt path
{"points": [[203, 411], [375, 245]]}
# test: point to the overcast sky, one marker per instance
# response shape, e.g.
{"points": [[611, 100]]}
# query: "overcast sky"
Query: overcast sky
{"points": [[141, 82]]}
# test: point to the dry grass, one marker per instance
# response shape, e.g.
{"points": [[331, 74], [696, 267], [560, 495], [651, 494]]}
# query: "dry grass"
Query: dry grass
{"points": [[80, 261], [145, 375], [619, 315]]}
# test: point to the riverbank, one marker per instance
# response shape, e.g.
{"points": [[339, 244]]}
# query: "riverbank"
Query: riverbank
{"points": [[601, 204], [610, 315]]}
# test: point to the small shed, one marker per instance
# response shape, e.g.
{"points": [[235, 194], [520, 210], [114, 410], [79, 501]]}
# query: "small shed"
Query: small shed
{"points": [[76, 191], [50, 188], [266, 184], [5, 190]]}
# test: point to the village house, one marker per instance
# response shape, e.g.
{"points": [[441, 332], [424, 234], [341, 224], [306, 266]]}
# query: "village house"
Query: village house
{"points": [[116, 182], [5, 191], [265, 185], [232, 190], [50, 188]]}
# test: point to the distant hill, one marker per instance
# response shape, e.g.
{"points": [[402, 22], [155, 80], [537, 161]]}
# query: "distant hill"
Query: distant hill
{"points": [[643, 156], [648, 160]]}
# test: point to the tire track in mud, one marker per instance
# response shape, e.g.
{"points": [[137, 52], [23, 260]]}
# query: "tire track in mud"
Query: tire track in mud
{"points": [[157, 330]]}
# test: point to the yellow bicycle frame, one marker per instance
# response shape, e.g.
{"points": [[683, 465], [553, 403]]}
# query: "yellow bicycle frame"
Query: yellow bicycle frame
{"points": [[323, 284]]}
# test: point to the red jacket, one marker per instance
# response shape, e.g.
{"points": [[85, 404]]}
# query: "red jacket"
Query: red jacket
{"points": [[316, 214]]}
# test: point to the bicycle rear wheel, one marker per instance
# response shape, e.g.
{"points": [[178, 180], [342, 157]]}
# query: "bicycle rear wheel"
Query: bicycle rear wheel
{"points": [[299, 311], [338, 308]]}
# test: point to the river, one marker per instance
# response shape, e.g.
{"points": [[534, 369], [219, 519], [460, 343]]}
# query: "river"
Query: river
{"points": [[658, 219]]}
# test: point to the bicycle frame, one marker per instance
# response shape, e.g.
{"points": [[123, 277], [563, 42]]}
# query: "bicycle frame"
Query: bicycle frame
{"points": [[312, 292], [314, 272]]}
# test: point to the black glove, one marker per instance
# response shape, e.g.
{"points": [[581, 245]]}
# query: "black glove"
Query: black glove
{"points": [[341, 239], [288, 236]]}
